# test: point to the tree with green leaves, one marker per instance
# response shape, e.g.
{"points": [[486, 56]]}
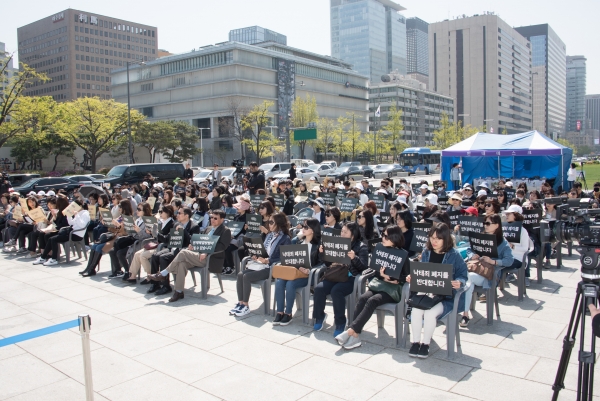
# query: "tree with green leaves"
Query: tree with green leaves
{"points": [[96, 126], [353, 135], [340, 141], [12, 93], [583, 150], [568, 144], [156, 137], [325, 137], [395, 127], [264, 145], [304, 111], [185, 136], [452, 133], [253, 123]]}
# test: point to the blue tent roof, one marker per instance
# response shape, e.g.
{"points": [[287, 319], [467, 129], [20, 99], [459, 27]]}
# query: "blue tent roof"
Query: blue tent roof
{"points": [[525, 144]]}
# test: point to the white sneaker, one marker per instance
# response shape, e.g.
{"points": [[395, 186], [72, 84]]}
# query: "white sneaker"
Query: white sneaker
{"points": [[343, 338], [353, 342], [243, 311], [235, 309], [50, 262], [39, 261]]}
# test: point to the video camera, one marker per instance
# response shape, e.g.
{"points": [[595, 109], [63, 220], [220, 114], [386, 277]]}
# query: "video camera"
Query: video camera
{"points": [[237, 163]]}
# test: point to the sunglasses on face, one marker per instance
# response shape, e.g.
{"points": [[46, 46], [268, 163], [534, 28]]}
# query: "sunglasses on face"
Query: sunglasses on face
{"points": [[270, 222], [140, 210], [385, 236], [305, 227], [327, 214], [262, 207], [215, 218], [360, 216], [161, 211], [488, 223], [488, 205]]}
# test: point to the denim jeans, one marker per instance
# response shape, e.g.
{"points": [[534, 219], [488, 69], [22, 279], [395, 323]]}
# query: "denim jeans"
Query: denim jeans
{"points": [[285, 293], [98, 231], [97, 247], [338, 292]]}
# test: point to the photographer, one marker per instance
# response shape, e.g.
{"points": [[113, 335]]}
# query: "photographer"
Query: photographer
{"points": [[257, 179]]}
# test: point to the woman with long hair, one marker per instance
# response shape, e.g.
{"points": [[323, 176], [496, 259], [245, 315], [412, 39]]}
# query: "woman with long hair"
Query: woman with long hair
{"points": [[366, 225], [285, 290], [59, 222], [382, 289], [34, 237], [26, 226]]}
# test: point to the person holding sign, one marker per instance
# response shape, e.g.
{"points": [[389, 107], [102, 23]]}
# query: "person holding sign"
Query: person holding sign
{"points": [[258, 268], [405, 221], [34, 236], [513, 214], [492, 225], [100, 227], [26, 225], [60, 223], [359, 261], [285, 291], [188, 258], [382, 289], [439, 249]]}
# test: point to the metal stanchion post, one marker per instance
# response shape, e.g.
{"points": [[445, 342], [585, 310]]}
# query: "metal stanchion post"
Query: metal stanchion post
{"points": [[84, 328]]}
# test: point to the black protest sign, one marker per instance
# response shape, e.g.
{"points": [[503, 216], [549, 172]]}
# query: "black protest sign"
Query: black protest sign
{"points": [[150, 222], [397, 187], [502, 206], [256, 200], [336, 249], [443, 203], [454, 215], [484, 244], [255, 247], [304, 215], [330, 232], [372, 242], [312, 196], [416, 188], [470, 224], [128, 225], [197, 217], [279, 200], [392, 259], [348, 204], [329, 198], [419, 212], [204, 243], [295, 255], [293, 220], [422, 226], [341, 193], [176, 237], [254, 222], [431, 278], [512, 231], [235, 227], [230, 216], [509, 193], [531, 218], [419, 240], [107, 218], [378, 199], [384, 217]]}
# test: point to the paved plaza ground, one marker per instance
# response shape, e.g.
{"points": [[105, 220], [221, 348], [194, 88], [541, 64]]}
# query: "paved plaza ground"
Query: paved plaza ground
{"points": [[144, 348]]}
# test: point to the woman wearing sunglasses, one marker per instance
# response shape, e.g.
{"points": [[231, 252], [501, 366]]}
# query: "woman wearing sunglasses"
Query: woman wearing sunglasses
{"points": [[332, 218], [382, 290], [366, 224], [359, 255], [439, 249], [491, 207], [227, 201], [492, 225], [266, 210], [258, 268], [285, 290]]}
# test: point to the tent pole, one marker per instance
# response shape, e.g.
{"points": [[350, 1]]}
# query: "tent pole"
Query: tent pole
{"points": [[513, 174], [498, 167]]}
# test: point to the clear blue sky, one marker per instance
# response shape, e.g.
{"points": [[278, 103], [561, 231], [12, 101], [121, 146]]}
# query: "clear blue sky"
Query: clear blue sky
{"points": [[186, 24]]}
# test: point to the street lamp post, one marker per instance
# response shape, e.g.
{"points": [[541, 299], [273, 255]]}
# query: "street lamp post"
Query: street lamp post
{"points": [[130, 145], [201, 146]]}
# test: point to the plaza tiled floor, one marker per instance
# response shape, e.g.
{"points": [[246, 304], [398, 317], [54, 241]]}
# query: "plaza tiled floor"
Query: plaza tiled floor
{"points": [[144, 348]]}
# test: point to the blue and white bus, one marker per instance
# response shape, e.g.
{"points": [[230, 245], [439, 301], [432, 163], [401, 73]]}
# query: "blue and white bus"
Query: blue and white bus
{"points": [[420, 160]]}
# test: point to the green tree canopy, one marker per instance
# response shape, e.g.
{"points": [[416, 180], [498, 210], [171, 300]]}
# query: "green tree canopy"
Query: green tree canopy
{"points": [[253, 123], [304, 111]]}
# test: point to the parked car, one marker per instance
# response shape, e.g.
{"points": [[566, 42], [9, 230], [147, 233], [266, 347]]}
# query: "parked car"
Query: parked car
{"points": [[48, 184], [272, 169], [347, 164], [367, 171], [228, 173], [387, 170], [135, 173], [302, 173], [302, 162], [86, 179], [322, 169], [344, 172], [331, 163], [20, 179], [201, 176]]}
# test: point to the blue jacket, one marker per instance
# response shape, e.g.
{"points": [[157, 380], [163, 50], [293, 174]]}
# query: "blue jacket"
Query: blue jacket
{"points": [[505, 259], [452, 257]]}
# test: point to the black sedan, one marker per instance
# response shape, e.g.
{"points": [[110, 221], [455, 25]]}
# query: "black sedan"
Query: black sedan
{"points": [[343, 173], [48, 184], [367, 171], [387, 170]]}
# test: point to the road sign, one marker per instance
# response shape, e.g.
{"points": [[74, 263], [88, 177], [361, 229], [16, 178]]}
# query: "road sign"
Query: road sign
{"points": [[305, 134]]}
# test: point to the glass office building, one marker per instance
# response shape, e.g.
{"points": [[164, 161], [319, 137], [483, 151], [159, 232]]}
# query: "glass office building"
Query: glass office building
{"points": [[256, 34], [417, 41], [369, 34], [576, 80], [549, 78]]}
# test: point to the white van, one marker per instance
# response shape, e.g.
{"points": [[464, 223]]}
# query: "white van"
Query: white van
{"points": [[272, 169], [331, 163], [302, 162]]}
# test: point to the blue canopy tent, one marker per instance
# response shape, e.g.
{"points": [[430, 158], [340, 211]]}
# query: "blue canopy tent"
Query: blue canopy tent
{"points": [[527, 155]]}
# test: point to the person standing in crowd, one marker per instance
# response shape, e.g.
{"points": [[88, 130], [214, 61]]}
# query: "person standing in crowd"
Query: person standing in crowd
{"points": [[292, 172], [571, 176], [257, 179], [215, 175], [455, 174], [188, 173]]}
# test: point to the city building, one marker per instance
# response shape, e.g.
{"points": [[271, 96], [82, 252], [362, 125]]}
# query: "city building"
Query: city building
{"points": [[549, 75], [484, 64], [211, 86], [417, 49], [256, 34], [587, 137], [77, 50], [163, 53], [421, 109], [576, 79], [9, 70], [369, 34], [592, 111]]}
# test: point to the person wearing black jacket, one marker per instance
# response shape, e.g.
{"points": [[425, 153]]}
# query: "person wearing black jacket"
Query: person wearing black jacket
{"points": [[332, 218], [188, 173], [359, 255], [257, 179], [142, 257], [288, 207], [161, 259], [292, 172], [4, 184]]}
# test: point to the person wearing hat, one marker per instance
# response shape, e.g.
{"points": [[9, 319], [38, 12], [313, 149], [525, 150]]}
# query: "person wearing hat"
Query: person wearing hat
{"points": [[145, 190], [431, 205], [243, 207], [454, 202], [125, 194], [515, 213], [363, 198], [318, 207], [468, 193], [424, 188]]}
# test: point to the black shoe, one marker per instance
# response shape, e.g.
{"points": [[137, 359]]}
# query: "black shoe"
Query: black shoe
{"points": [[125, 276], [285, 320], [414, 350], [145, 281], [164, 290], [277, 319], [116, 274], [424, 351], [89, 273], [153, 288]]}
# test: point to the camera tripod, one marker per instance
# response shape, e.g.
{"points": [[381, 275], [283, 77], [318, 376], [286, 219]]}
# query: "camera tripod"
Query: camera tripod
{"points": [[581, 178], [587, 293]]}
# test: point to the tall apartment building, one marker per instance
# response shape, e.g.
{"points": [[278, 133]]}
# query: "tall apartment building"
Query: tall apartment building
{"points": [[256, 34], [592, 111], [369, 34], [484, 64], [9, 71], [549, 75], [576, 80], [78, 50], [417, 49]]}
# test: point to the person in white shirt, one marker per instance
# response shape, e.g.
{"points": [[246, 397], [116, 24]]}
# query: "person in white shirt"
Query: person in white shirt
{"points": [[515, 213], [571, 176], [362, 197]]}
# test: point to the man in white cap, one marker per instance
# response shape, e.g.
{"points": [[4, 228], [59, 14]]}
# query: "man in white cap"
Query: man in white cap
{"points": [[482, 192], [31, 193], [362, 197]]}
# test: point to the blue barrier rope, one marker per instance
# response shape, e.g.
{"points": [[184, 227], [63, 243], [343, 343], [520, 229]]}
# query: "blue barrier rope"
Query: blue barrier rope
{"points": [[38, 333]]}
